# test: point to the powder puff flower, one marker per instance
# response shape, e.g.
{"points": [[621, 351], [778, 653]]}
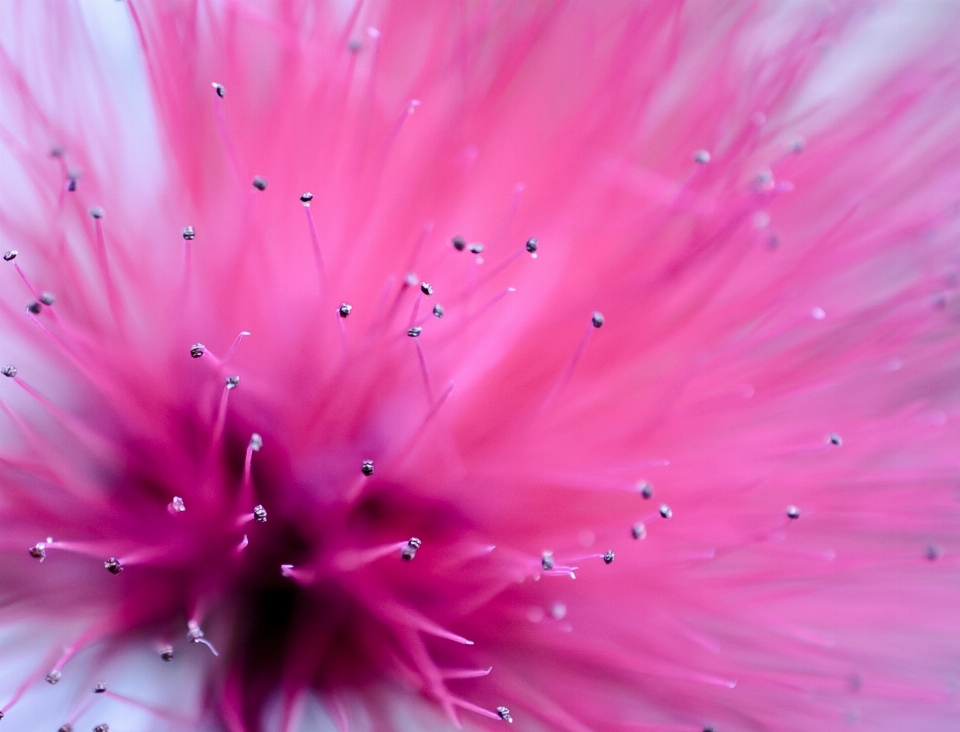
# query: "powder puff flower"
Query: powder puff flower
{"points": [[408, 365]]}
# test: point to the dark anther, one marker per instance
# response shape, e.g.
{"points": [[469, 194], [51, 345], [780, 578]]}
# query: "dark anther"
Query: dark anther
{"points": [[196, 350], [834, 439], [256, 442], [504, 714], [72, 184], [459, 243], [415, 331], [34, 307], [367, 468], [54, 676], [934, 552], [638, 530], [177, 505], [354, 45], [56, 151], [793, 512], [438, 310], [38, 551], [596, 319], [546, 561], [305, 198], [665, 511], [646, 490], [113, 566], [96, 212], [218, 88], [260, 514], [66, 728], [701, 157], [608, 557], [532, 244], [188, 233], [232, 382], [410, 550], [476, 248], [260, 183], [344, 309], [9, 371], [47, 298], [166, 654], [101, 728], [426, 288], [100, 688], [10, 256]]}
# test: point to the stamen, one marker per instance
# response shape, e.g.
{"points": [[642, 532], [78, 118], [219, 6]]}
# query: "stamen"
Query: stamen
{"points": [[195, 635], [230, 383], [34, 307], [306, 198], [47, 298], [426, 288], [438, 311], [102, 728], [303, 576], [701, 157], [416, 308], [38, 551], [236, 344], [666, 511], [219, 89], [176, 505], [638, 530], [415, 331], [100, 688], [10, 256], [260, 514], [166, 654], [834, 439], [465, 673], [54, 676], [596, 321], [112, 295], [646, 490], [315, 240], [793, 512], [608, 557], [260, 183], [188, 233], [504, 714], [113, 566], [246, 488], [459, 243], [197, 350], [344, 309], [352, 559], [9, 371], [424, 370]]}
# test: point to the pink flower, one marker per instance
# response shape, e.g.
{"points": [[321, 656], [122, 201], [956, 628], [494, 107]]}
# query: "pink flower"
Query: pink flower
{"points": [[423, 486]]}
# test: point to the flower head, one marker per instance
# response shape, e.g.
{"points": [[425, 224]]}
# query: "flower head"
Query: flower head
{"points": [[529, 408]]}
